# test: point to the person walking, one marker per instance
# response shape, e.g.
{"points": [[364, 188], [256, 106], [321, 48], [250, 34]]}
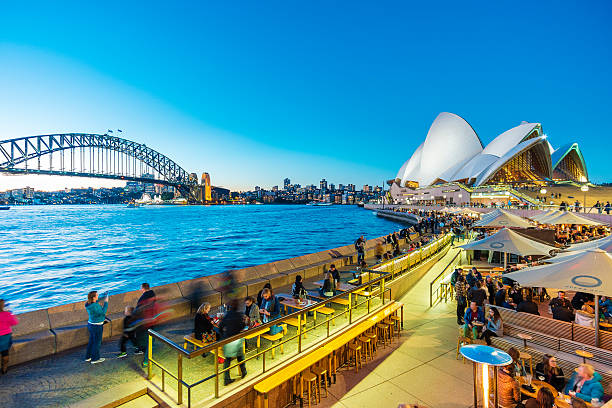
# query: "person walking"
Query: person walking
{"points": [[128, 333], [232, 324], [7, 320], [95, 326], [360, 247], [607, 208], [461, 297]]}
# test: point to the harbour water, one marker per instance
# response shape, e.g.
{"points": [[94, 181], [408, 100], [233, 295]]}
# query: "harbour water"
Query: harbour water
{"points": [[51, 255]]}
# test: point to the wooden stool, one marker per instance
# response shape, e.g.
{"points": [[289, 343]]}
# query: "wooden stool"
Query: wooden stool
{"points": [[355, 350], [584, 354], [383, 333], [461, 340], [321, 373], [311, 380], [398, 322], [391, 325], [366, 342], [372, 336], [523, 356]]}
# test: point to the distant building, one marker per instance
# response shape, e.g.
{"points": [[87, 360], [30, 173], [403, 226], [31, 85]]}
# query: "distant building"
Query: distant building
{"points": [[350, 187], [366, 188], [206, 195], [286, 184], [220, 194], [323, 184]]}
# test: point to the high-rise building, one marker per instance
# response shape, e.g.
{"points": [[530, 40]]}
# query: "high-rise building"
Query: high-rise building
{"points": [[366, 188], [275, 189], [351, 187], [323, 184], [341, 187], [257, 188], [286, 183], [206, 188], [332, 187]]}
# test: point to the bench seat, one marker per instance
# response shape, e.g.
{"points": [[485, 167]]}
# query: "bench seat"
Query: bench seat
{"points": [[32, 337]]}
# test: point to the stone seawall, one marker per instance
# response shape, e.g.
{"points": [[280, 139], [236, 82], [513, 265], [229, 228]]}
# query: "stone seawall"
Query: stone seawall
{"points": [[48, 331]]}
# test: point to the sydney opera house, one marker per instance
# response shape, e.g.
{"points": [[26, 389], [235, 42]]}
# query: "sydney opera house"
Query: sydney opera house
{"points": [[453, 153]]}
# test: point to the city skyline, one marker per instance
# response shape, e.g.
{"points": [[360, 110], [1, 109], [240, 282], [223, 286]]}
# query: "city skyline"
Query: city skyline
{"points": [[246, 93]]}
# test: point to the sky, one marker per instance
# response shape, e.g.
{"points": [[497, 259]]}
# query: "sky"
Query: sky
{"points": [[253, 92]]}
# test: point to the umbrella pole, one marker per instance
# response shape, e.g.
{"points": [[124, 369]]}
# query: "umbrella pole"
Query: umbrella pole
{"points": [[596, 320], [505, 260]]}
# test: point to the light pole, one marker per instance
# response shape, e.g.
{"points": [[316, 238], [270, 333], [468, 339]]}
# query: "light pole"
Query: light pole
{"points": [[584, 189]]}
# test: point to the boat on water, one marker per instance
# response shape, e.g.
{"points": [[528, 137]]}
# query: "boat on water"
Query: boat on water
{"points": [[321, 204], [5, 207], [133, 204]]}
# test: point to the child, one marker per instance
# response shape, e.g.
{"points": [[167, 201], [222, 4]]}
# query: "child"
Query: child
{"points": [[128, 333]]}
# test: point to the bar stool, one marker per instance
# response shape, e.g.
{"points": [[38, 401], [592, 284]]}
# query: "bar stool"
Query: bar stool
{"points": [[321, 373], [524, 356], [311, 380], [389, 323], [354, 349], [366, 342], [462, 340], [398, 322], [383, 333], [372, 336]]}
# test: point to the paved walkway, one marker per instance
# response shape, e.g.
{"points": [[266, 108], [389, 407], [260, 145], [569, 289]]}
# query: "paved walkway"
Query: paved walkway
{"points": [[421, 368]]}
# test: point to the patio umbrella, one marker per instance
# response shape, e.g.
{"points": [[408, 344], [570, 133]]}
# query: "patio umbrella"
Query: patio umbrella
{"points": [[569, 218], [605, 246], [508, 241], [598, 243], [503, 219], [589, 271], [543, 216]]}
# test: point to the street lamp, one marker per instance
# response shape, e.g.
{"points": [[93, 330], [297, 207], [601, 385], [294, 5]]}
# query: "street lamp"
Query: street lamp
{"points": [[543, 191], [584, 189]]}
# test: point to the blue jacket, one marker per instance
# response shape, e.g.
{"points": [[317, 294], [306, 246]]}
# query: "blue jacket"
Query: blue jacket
{"points": [[608, 305], [271, 305], [590, 389], [96, 313], [479, 315]]}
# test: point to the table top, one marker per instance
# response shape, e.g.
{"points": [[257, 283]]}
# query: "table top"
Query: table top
{"points": [[524, 336], [477, 323], [604, 324], [291, 302], [584, 353]]}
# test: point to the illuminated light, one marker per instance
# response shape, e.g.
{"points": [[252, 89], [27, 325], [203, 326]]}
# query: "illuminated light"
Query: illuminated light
{"points": [[584, 188], [485, 384], [543, 191]]}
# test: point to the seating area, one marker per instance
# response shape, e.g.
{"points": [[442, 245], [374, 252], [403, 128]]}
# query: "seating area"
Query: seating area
{"points": [[313, 370]]}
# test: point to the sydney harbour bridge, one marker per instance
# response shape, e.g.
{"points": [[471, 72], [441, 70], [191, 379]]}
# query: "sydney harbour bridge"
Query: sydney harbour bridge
{"points": [[95, 155]]}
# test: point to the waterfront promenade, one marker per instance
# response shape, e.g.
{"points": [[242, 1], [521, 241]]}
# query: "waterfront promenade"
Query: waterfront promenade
{"points": [[406, 372]]}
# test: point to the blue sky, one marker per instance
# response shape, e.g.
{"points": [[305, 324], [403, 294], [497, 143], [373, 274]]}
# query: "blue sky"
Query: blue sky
{"points": [[253, 92]]}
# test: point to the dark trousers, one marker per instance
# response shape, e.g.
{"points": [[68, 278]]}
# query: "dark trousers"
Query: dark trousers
{"points": [[487, 334], [461, 305], [124, 339], [360, 256], [228, 362], [95, 341]]}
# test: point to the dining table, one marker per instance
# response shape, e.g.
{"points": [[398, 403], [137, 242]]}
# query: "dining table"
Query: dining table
{"points": [[342, 286], [561, 400]]}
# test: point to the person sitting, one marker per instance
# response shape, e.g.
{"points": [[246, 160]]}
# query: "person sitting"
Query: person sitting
{"points": [[477, 294], [585, 384], [519, 369], [473, 315], [298, 291], [329, 286], [548, 371], [562, 313], [515, 296], [508, 389], [251, 311], [528, 306], [544, 399], [203, 326], [580, 298], [605, 307], [336, 274], [495, 326], [259, 295], [269, 306]]}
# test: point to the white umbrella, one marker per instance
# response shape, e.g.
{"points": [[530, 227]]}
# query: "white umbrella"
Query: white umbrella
{"points": [[605, 246], [598, 243], [503, 219], [569, 218], [540, 217], [589, 271], [508, 241]]}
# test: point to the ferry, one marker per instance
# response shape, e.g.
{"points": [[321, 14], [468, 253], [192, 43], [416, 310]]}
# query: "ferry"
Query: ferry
{"points": [[5, 208]]}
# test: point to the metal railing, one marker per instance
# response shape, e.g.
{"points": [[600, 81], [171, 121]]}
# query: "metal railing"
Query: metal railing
{"points": [[443, 290], [369, 292]]}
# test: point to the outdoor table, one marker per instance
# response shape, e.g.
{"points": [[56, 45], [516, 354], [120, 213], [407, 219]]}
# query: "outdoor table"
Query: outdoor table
{"points": [[525, 337], [584, 354], [605, 325], [560, 401]]}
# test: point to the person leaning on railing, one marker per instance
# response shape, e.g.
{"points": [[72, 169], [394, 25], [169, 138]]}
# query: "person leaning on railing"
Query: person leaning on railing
{"points": [[95, 325]]}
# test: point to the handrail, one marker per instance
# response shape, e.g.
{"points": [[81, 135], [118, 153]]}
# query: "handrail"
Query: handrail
{"points": [[433, 282]]}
